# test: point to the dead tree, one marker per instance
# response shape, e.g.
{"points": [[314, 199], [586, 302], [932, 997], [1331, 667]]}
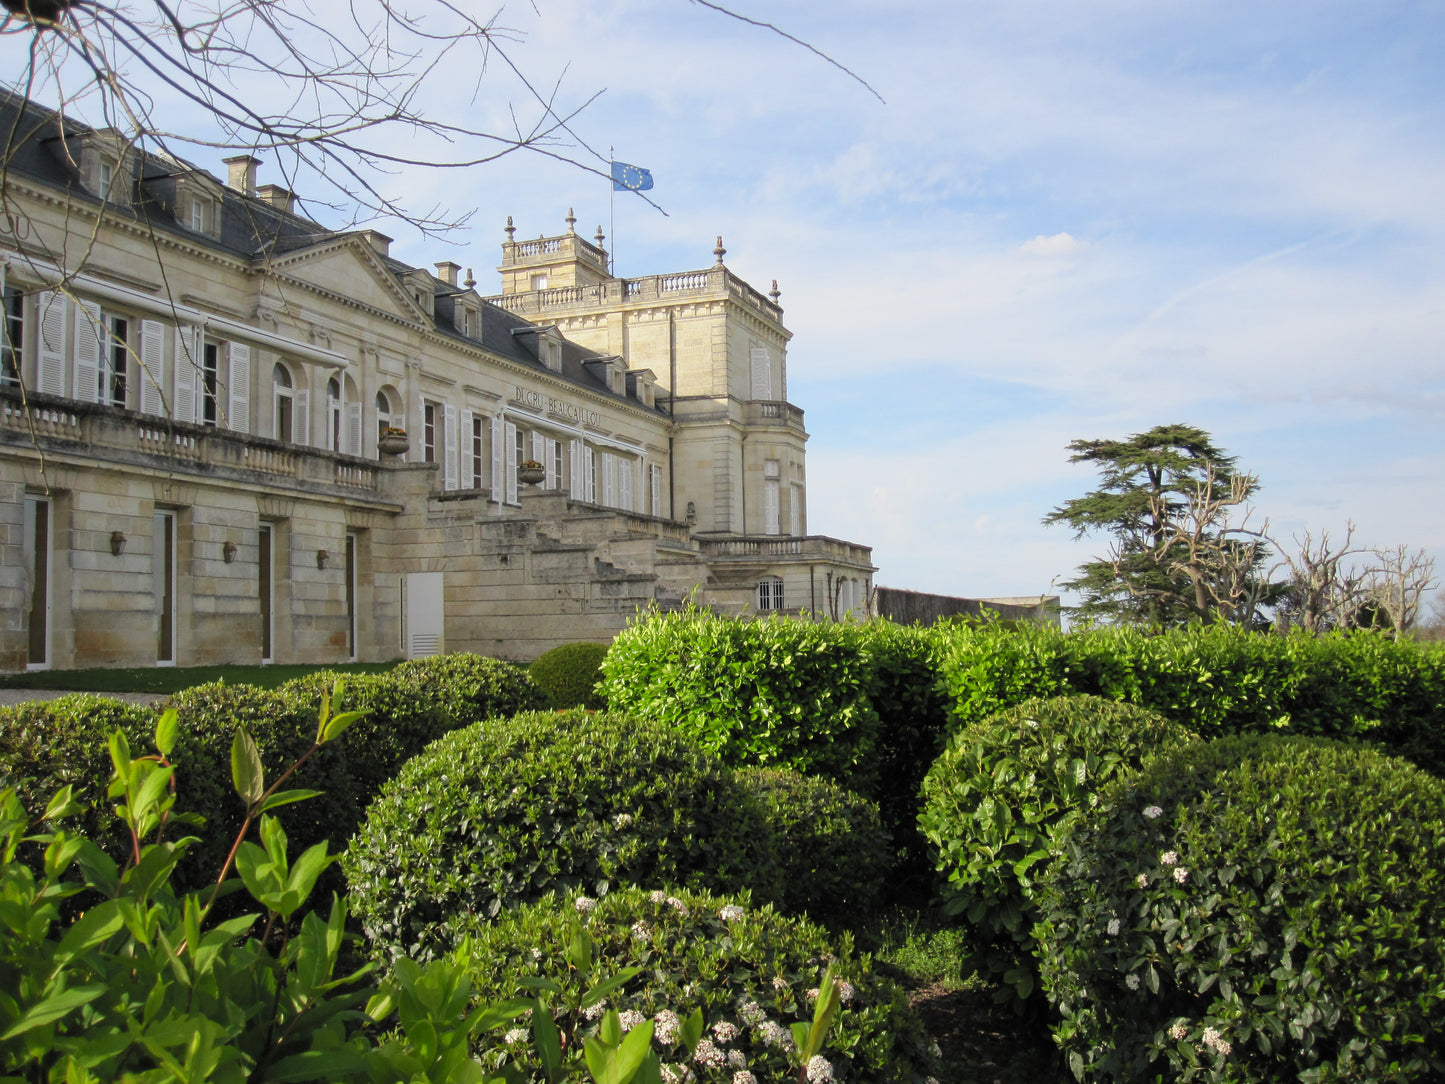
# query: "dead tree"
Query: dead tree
{"points": [[1396, 584], [1327, 584]]}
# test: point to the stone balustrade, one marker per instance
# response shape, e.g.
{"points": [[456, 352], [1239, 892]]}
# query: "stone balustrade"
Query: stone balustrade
{"points": [[715, 281], [776, 548]]}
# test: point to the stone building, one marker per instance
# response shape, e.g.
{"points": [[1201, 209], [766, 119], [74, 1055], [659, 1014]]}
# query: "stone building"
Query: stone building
{"points": [[229, 434]]}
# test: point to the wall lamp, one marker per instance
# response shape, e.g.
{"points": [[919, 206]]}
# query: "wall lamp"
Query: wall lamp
{"points": [[117, 543], [322, 558], [228, 552]]}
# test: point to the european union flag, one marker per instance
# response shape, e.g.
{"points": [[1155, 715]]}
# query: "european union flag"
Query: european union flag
{"points": [[627, 178]]}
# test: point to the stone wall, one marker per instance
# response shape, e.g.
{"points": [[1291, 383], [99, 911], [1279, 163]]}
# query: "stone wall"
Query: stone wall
{"points": [[915, 607]]}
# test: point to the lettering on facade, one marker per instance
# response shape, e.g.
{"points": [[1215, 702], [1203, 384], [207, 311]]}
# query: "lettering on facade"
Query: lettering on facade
{"points": [[558, 407]]}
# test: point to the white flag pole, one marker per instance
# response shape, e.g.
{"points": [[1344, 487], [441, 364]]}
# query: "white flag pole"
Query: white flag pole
{"points": [[611, 212]]}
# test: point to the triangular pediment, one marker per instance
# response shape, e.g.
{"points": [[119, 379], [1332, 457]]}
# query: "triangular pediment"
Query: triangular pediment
{"points": [[348, 268]]}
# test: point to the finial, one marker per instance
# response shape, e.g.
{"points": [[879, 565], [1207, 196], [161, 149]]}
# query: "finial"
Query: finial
{"points": [[511, 229], [774, 293], [719, 252], [472, 282], [599, 236], [571, 221]]}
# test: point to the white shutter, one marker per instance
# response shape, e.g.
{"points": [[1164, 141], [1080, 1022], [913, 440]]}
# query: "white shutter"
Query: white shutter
{"points": [[625, 469], [238, 387], [468, 477], [87, 351], [449, 443], [50, 357], [589, 475], [499, 460], [509, 472], [609, 479], [539, 447], [353, 430], [770, 506], [153, 366], [795, 510], [188, 365], [656, 471], [301, 416], [549, 460], [762, 373], [574, 467]]}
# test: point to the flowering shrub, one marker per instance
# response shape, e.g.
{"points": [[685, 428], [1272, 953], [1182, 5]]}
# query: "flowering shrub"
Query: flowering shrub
{"points": [[750, 974], [998, 800], [569, 675], [1254, 908], [832, 852], [502, 812]]}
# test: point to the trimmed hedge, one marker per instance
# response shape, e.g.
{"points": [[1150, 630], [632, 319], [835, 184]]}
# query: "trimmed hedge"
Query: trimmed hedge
{"points": [[569, 675], [1254, 909], [833, 855], [505, 811], [750, 971], [1001, 797]]}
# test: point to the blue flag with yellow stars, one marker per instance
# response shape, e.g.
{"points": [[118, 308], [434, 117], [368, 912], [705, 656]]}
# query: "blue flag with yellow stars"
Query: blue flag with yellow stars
{"points": [[627, 178]]}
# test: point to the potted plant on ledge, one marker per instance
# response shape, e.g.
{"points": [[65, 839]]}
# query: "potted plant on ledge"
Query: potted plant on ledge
{"points": [[530, 472], [393, 441]]}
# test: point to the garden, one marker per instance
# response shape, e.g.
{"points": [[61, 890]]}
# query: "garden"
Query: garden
{"points": [[743, 851]]}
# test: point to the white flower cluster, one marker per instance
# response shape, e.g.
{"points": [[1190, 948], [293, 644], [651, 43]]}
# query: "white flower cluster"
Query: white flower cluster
{"points": [[774, 1034], [731, 913], [665, 1027], [592, 1012], [744, 1077], [641, 931], [676, 1074], [1113, 928], [751, 1012], [1142, 880], [737, 1059], [622, 820], [819, 1069], [1177, 1032], [584, 904], [676, 904], [1216, 1042], [1181, 875], [725, 1031], [779, 983], [1131, 980], [708, 1055], [1169, 858], [1153, 812], [657, 895], [629, 1019], [516, 1035], [845, 992]]}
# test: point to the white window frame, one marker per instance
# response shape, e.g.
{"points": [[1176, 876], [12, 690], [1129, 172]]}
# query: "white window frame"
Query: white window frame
{"points": [[770, 594]]}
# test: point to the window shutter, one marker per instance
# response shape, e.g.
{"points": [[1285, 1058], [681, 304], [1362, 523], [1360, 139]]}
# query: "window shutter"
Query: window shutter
{"points": [[468, 478], [353, 430], [301, 416], [509, 473], [656, 471], [87, 351], [50, 357], [499, 460], [770, 506], [609, 479], [762, 373], [238, 387], [188, 365], [589, 475], [626, 468], [153, 366], [795, 510], [574, 462], [550, 449], [449, 445], [539, 447]]}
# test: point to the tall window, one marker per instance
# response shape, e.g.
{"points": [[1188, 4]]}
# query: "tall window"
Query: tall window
{"points": [[37, 566], [285, 403], [554, 464], [11, 337], [333, 415], [163, 573], [383, 414], [431, 424], [350, 573], [266, 589], [476, 448], [770, 594], [210, 383], [115, 360]]}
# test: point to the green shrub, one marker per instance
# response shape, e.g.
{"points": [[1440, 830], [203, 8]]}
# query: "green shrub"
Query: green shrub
{"points": [[998, 800], [569, 675], [49, 744], [1254, 909], [777, 693], [750, 972], [833, 855], [507, 810]]}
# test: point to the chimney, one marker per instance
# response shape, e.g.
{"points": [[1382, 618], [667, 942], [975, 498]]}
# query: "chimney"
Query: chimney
{"points": [[447, 272], [242, 173], [283, 199], [378, 241]]}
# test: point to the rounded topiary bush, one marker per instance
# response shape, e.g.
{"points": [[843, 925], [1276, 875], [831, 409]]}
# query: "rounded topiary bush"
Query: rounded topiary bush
{"points": [[569, 675], [750, 971], [999, 798], [507, 810], [833, 854], [1254, 909]]}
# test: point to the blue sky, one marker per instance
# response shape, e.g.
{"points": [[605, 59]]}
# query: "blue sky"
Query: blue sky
{"points": [[1070, 219]]}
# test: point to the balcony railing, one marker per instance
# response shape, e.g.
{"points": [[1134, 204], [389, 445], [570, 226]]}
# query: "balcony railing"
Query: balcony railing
{"points": [[715, 281], [784, 548], [773, 412], [111, 434]]}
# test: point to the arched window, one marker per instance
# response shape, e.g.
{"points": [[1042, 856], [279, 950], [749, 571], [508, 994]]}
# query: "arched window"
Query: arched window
{"points": [[333, 415], [770, 593], [284, 398]]}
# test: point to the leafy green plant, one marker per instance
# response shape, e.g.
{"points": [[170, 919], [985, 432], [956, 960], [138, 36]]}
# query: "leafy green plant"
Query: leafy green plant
{"points": [[507, 810], [722, 990], [1254, 908], [998, 801], [833, 854], [569, 675]]}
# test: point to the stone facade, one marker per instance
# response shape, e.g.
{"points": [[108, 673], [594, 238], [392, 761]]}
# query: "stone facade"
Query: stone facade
{"points": [[197, 384]]}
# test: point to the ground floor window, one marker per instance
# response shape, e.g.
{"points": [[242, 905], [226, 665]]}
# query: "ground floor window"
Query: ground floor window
{"points": [[770, 594]]}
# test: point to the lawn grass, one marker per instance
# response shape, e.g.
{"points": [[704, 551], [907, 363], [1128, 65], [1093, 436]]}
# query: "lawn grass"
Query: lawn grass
{"points": [[172, 679]]}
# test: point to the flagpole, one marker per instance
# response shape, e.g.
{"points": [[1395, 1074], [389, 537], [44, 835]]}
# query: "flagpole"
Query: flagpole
{"points": [[611, 213]]}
